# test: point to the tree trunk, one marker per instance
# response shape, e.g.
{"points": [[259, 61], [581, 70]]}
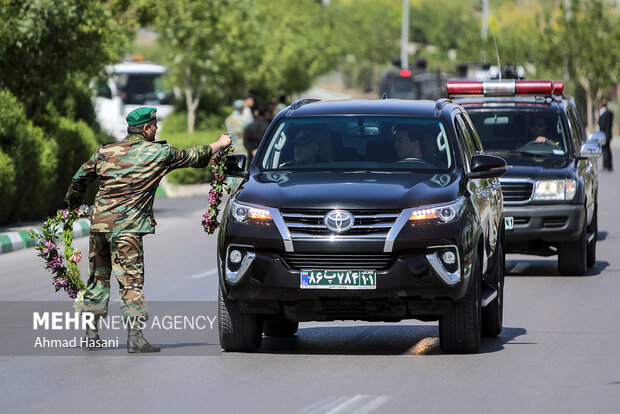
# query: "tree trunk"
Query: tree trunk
{"points": [[191, 114], [192, 100], [585, 84]]}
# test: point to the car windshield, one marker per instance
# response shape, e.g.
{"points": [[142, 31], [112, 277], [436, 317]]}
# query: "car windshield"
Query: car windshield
{"points": [[358, 143], [520, 132], [142, 88]]}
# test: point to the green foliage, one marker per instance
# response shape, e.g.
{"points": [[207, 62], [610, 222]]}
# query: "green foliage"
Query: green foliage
{"points": [[76, 142], [33, 161], [44, 47], [7, 184], [294, 42]]}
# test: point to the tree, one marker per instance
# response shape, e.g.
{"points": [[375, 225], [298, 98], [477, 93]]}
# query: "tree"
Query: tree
{"points": [[47, 47], [207, 45], [586, 41]]}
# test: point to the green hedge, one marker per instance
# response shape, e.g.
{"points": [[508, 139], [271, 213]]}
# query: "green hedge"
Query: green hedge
{"points": [[37, 162], [76, 142], [33, 161]]}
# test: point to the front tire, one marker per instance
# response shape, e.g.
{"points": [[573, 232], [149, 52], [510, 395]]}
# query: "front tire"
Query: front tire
{"points": [[493, 313], [239, 332], [460, 328], [573, 256]]}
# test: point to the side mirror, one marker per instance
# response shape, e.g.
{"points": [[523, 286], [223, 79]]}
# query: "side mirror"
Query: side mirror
{"points": [[234, 165], [591, 149], [597, 136], [487, 166]]}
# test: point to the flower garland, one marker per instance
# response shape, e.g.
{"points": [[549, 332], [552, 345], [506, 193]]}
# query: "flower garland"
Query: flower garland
{"points": [[209, 222], [64, 267]]}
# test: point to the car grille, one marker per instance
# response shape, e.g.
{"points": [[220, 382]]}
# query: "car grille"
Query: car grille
{"points": [[515, 192], [367, 224], [299, 261]]}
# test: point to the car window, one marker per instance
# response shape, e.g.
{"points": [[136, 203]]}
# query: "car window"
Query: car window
{"points": [[472, 133], [575, 126], [520, 131], [354, 143]]}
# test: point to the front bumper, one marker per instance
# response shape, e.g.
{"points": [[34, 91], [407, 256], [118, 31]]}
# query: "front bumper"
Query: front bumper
{"points": [[410, 286], [547, 223]]}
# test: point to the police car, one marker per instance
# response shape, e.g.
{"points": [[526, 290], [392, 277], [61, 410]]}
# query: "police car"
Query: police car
{"points": [[550, 189]]}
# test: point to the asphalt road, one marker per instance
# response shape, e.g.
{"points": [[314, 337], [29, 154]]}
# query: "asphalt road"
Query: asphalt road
{"points": [[558, 352]]}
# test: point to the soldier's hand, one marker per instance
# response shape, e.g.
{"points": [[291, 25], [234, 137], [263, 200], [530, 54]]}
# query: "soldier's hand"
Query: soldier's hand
{"points": [[224, 140]]}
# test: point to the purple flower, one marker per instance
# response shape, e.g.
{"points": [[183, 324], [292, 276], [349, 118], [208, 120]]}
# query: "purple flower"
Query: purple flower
{"points": [[65, 213]]}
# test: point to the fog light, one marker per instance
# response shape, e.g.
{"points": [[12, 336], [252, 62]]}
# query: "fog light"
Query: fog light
{"points": [[235, 256], [448, 258]]}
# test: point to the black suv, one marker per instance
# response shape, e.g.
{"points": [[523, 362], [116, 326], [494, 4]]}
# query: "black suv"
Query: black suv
{"points": [[550, 189], [375, 210]]}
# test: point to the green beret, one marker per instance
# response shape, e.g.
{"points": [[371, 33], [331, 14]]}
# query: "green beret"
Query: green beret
{"points": [[141, 116]]}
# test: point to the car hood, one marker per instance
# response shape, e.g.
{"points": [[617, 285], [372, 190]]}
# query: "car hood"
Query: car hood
{"points": [[321, 190], [536, 168]]}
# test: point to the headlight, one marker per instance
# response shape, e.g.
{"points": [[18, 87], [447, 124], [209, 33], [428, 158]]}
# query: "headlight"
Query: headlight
{"points": [[555, 190], [251, 214], [439, 214]]}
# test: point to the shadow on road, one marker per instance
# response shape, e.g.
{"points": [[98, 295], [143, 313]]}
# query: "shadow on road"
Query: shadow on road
{"points": [[546, 268], [374, 340]]}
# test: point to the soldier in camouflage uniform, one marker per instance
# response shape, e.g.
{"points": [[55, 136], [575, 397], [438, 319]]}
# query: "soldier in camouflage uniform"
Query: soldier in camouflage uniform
{"points": [[129, 172]]}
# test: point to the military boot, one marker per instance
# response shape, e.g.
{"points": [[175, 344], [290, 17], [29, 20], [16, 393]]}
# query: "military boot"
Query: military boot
{"points": [[91, 340], [136, 343]]}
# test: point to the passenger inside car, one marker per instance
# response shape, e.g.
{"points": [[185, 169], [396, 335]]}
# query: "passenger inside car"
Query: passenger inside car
{"points": [[407, 145]]}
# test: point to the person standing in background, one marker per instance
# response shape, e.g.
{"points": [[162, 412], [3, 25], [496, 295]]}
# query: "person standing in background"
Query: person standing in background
{"points": [[236, 124], [605, 124], [255, 131]]}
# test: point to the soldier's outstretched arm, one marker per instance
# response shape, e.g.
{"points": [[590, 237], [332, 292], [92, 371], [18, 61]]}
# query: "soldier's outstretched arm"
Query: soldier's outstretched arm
{"points": [[82, 178], [197, 157]]}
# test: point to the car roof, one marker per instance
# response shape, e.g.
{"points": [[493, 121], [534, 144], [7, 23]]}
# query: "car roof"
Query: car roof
{"points": [[397, 107]]}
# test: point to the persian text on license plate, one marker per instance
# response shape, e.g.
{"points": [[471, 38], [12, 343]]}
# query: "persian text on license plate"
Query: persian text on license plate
{"points": [[338, 279]]}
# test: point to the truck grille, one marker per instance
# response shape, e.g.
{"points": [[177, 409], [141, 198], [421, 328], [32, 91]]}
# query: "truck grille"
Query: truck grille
{"points": [[367, 224], [300, 261], [515, 192]]}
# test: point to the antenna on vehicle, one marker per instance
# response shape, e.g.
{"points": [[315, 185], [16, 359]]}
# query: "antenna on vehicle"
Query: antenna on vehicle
{"points": [[499, 66]]}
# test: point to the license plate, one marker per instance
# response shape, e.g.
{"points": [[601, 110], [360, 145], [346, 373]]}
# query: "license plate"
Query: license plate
{"points": [[338, 279], [509, 223]]}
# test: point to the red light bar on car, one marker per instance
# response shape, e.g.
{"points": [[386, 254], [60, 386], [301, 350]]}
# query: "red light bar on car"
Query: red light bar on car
{"points": [[504, 87], [405, 73]]}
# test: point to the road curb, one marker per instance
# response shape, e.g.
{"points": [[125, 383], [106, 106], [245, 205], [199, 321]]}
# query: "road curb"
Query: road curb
{"points": [[19, 239]]}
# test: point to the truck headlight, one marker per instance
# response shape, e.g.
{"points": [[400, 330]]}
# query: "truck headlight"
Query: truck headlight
{"points": [[555, 190], [440, 214], [252, 214]]}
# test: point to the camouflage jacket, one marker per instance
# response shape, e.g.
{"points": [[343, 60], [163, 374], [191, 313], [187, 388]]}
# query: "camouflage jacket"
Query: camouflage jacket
{"points": [[130, 172]]}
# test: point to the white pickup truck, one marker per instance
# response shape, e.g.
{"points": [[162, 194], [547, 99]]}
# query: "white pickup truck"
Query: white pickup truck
{"points": [[130, 85]]}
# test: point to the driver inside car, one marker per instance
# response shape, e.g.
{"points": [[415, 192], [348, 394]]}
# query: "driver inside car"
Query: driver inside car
{"points": [[539, 131]]}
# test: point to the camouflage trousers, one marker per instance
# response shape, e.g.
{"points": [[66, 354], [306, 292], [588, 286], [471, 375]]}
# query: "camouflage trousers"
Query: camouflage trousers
{"points": [[123, 253]]}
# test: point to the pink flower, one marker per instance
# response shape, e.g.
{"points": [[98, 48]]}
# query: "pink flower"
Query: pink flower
{"points": [[76, 257], [65, 213]]}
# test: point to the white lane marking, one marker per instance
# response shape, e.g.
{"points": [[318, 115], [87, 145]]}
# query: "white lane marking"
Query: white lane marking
{"points": [[16, 240], [359, 404], [203, 274]]}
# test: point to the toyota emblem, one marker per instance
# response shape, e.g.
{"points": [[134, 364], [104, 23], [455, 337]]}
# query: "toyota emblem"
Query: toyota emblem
{"points": [[338, 220]]}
